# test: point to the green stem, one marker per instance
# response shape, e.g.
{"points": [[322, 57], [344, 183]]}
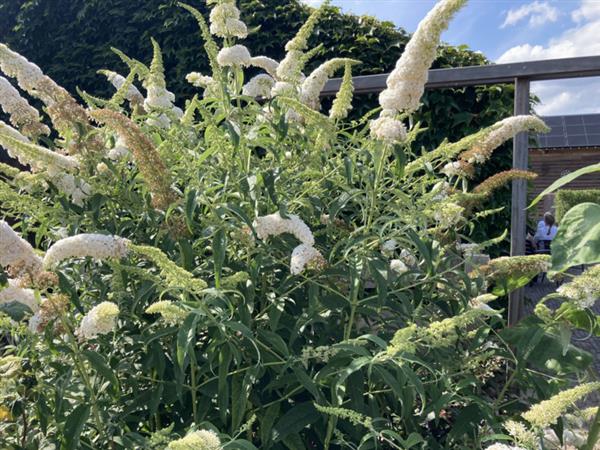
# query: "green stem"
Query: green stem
{"points": [[379, 159], [193, 368], [79, 364], [505, 388]]}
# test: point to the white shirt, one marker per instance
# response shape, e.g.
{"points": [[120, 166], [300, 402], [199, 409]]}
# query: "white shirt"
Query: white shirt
{"points": [[544, 232]]}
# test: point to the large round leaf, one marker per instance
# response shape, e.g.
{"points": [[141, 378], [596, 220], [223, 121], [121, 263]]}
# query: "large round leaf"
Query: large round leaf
{"points": [[578, 238]]}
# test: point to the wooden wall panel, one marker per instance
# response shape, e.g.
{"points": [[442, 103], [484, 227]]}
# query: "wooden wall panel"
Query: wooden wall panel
{"points": [[550, 165]]}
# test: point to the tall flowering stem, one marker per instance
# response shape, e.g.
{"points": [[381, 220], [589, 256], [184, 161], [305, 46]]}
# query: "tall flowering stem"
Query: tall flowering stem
{"points": [[151, 166], [498, 134], [406, 83], [313, 85], [342, 104], [546, 413], [68, 117], [290, 68], [501, 179], [36, 156], [22, 115], [209, 43], [175, 276]]}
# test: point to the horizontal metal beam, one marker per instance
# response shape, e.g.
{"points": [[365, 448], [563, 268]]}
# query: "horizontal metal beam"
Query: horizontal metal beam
{"points": [[551, 69]]}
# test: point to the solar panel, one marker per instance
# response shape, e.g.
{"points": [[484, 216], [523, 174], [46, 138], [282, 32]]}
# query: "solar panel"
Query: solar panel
{"points": [[570, 131]]}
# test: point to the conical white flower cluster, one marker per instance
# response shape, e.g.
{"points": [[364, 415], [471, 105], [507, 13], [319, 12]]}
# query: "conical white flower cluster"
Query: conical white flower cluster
{"points": [[305, 254], [225, 21], [29, 76], [134, 96], [39, 158], [234, 56], [259, 86], [269, 65], [584, 290], [22, 114], [17, 253], [406, 83], [501, 132], [97, 246], [274, 225], [313, 85], [197, 440], [101, 319], [499, 446], [388, 129], [158, 98]]}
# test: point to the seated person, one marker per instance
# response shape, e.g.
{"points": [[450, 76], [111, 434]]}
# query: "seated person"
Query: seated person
{"points": [[546, 231]]}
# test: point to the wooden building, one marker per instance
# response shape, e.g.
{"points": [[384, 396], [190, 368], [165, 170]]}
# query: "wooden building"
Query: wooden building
{"points": [[573, 143]]}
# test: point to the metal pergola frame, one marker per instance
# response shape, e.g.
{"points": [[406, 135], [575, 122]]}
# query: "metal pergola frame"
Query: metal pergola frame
{"points": [[521, 75]]}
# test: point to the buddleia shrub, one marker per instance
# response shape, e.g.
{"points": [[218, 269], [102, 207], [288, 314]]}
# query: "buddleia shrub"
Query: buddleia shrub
{"points": [[252, 271]]}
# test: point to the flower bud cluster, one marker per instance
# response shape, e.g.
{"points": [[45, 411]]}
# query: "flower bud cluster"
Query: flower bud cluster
{"points": [[406, 83], [546, 413], [584, 290], [234, 56], [197, 440], [225, 21], [101, 319], [134, 96], [17, 253], [171, 313], [304, 255], [97, 246], [22, 115]]}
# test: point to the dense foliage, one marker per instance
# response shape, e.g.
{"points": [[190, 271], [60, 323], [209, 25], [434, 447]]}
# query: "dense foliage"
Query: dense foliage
{"points": [[568, 198], [250, 272], [72, 39]]}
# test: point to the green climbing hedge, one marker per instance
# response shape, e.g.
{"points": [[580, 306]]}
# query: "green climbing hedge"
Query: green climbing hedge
{"points": [[568, 198], [72, 39]]}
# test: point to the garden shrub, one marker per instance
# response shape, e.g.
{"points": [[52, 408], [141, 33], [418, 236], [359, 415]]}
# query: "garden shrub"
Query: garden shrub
{"points": [[566, 199], [251, 272], [72, 39]]}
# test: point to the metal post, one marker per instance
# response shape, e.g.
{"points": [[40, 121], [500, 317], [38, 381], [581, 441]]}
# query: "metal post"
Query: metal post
{"points": [[518, 228]]}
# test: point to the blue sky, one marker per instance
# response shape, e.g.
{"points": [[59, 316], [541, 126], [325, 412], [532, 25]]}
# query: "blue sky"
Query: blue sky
{"points": [[514, 30]]}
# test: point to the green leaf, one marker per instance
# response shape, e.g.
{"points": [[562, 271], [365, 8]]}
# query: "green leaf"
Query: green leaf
{"points": [[219, 246], [186, 338], [266, 424], [564, 181], [578, 238], [584, 319], [512, 282], [191, 201], [565, 337], [294, 421], [74, 426], [100, 365], [15, 310]]}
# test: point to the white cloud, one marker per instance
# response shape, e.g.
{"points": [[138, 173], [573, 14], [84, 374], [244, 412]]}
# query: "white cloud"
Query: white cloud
{"points": [[312, 2], [538, 13], [589, 10], [572, 96], [581, 40], [577, 96]]}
